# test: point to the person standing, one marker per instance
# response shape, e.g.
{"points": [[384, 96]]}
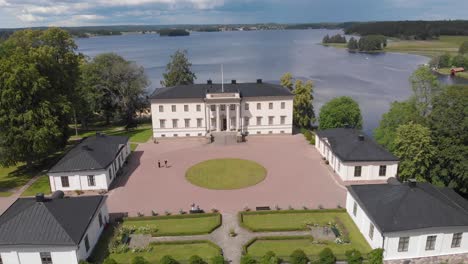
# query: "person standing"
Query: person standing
{"points": [[159, 164], [165, 163]]}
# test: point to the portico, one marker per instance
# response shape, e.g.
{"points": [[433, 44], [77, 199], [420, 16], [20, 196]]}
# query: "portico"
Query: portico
{"points": [[223, 112]]}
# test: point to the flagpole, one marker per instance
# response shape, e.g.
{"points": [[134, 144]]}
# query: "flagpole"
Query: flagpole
{"points": [[222, 78]]}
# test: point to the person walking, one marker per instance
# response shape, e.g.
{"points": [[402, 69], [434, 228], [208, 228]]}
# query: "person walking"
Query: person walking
{"points": [[165, 163], [159, 164]]}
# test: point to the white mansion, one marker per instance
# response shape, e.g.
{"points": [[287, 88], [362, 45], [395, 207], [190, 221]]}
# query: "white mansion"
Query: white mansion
{"points": [[200, 109]]}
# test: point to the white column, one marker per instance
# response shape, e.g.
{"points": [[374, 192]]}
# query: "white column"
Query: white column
{"points": [[218, 125], [228, 118], [208, 121], [237, 117]]}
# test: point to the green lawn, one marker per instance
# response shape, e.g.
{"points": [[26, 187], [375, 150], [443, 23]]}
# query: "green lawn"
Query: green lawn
{"points": [[429, 48], [177, 224], [133, 146], [180, 251], [226, 174], [41, 185], [14, 177], [297, 220], [139, 135]]}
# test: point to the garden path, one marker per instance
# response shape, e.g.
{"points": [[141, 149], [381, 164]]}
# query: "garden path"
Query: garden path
{"points": [[231, 246]]}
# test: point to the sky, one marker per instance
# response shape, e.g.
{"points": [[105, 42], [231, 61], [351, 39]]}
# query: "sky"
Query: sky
{"points": [[30, 13]]}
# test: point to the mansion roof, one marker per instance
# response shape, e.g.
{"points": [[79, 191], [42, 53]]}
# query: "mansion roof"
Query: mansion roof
{"points": [[409, 206], [58, 221], [352, 145], [92, 153], [258, 89]]}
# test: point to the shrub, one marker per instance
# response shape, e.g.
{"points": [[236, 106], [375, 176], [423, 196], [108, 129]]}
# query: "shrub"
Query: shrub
{"points": [[312, 140], [270, 258], [217, 260], [195, 259], [139, 260], [109, 261], [247, 259], [375, 256], [308, 135], [326, 256], [353, 256], [298, 257], [168, 260]]}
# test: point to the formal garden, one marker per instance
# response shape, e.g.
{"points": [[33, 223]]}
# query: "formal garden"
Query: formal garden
{"points": [[226, 174]]}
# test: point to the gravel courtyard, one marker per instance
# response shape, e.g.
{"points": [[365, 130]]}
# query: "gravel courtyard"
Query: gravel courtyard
{"points": [[296, 176]]}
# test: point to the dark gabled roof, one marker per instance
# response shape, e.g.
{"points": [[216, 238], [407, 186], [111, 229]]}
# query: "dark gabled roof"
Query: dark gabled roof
{"points": [[93, 153], [399, 207], [345, 143], [200, 90], [52, 222]]}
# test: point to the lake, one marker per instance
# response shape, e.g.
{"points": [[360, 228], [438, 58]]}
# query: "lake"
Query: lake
{"points": [[374, 80]]}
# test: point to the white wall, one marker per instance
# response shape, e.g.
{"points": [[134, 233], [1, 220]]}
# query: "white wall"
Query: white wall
{"points": [[369, 170], [206, 115], [417, 241], [79, 180], [94, 232]]}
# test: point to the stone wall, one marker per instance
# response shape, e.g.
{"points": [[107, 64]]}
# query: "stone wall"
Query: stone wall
{"points": [[449, 259]]}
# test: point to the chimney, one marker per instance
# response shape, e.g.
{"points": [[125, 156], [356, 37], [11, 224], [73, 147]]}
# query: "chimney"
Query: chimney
{"points": [[361, 137], [40, 197], [209, 82], [412, 183], [259, 80], [57, 195], [233, 81]]}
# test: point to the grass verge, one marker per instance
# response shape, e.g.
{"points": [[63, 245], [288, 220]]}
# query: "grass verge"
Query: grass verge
{"points": [[139, 135], [41, 185]]}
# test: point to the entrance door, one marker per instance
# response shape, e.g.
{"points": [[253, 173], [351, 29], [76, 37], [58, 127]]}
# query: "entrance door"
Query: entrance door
{"points": [[224, 125]]}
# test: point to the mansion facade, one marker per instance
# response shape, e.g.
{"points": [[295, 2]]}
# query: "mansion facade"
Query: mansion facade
{"points": [[198, 110]]}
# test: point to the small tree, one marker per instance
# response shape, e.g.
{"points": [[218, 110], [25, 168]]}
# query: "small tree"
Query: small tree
{"points": [[109, 260], [326, 256], [303, 115], [353, 44], [217, 260], [195, 259], [298, 257], [353, 256], [270, 258], [139, 260], [247, 259], [375, 256], [340, 112], [178, 70], [168, 260]]}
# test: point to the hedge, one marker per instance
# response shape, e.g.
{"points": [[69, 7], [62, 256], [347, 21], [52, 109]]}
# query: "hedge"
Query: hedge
{"points": [[255, 239], [188, 242]]}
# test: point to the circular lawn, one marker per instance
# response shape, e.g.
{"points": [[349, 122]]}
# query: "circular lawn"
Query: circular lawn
{"points": [[226, 174]]}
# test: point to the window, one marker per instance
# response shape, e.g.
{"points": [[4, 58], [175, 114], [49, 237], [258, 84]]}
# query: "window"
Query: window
{"points": [[46, 258], [371, 231], [161, 108], [456, 240], [270, 106], [187, 123], [86, 243], [65, 182], [176, 135], [91, 180], [162, 123], [174, 108], [283, 105], [246, 106], [357, 171], [199, 122], [223, 107], [198, 108], [233, 122], [213, 107], [283, 120], [259, 106], [213, 122], [100, 219], [187, 135], [246, 121], [403, 244], [430, 242], [259, 120], [175, 123], [186, 108], [232, 107], [270, 120], [382, 170], [355, 209], [110, 174]]}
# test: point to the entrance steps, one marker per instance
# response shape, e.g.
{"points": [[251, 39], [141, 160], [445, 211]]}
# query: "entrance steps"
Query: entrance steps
{"points": [[224, 138]]}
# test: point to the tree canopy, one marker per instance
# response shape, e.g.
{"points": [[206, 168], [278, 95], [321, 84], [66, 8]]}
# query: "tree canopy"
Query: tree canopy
{"points": [[287, 81], [353, 44], [372, 43], [178, 70], [40, 70], [340, 112], [425, 86], [303, 114]]}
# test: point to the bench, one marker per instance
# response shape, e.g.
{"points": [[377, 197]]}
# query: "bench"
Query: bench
{"points": [[262, 208]]}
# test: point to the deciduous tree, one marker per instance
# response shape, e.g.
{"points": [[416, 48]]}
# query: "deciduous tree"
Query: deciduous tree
{"points": [[303, 115], [340, 112], [353, 44], [287, 81], [413, 145], [39, 72], [178, 70], [425, 86]]}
